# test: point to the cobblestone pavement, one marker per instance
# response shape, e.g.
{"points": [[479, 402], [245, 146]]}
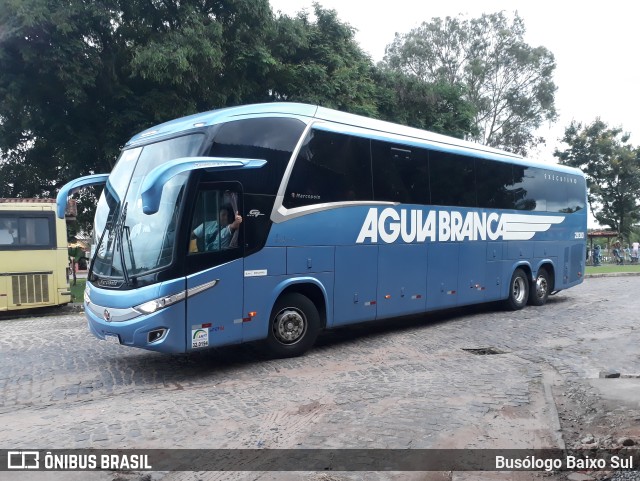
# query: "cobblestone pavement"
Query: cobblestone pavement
{"points": [[395, 384]]}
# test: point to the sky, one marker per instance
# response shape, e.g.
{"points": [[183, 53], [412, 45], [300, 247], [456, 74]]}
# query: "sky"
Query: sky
{"points": [[595, 45]]}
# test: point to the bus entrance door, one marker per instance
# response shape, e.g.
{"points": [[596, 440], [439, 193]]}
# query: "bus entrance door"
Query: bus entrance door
{"points": [[215, 293], [214, 316]]}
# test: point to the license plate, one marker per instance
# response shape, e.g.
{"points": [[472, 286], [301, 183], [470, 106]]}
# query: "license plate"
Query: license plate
{"points": [[112, 338]]}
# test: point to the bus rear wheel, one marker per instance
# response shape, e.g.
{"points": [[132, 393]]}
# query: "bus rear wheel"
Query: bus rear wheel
{"points": [[518, 290], [294, 326], [540, 288]]}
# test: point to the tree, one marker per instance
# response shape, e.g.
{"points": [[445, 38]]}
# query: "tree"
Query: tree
{"points": [[612, 168], [319, 62], [78, 78], [411, 101], [507, 81]]}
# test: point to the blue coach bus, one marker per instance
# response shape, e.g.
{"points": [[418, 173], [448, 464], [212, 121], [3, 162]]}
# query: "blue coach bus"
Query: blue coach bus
{"points": [[272, 222]]}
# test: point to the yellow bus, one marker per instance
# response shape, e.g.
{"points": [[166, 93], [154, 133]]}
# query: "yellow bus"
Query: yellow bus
{"points": [[33, 255]]}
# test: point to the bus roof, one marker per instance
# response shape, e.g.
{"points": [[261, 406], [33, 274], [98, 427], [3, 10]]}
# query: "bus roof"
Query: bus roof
{"points": [[379, 128], [31, 204], [15, 200], [36, 204], [213, 117]]}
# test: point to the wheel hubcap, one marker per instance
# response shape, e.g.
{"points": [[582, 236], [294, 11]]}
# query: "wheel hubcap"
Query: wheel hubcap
{"points": [[541, 287], [519, 290], [289, 326]]}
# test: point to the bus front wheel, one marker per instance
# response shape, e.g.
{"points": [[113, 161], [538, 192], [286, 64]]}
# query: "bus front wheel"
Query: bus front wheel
{"points": [[294, 326], [518, 290], [540, 288]]}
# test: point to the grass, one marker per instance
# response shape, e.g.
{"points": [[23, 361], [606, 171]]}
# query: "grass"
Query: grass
{"points": [[77, 291], [613, 268]]}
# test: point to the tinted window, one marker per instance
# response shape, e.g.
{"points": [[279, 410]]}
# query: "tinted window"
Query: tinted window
{"points": [[34, 231], [527, 188], [26, 231], [271, 139], [494, 183], [546, 191], [452, 179], [330, 167], [400, 173], [576, 194]]}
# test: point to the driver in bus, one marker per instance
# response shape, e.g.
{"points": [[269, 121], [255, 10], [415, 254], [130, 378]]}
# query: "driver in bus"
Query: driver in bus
{"points": [[215, 238]]}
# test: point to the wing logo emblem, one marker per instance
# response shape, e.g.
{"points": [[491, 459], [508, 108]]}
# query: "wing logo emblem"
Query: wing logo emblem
{"points": [[524, 227]]}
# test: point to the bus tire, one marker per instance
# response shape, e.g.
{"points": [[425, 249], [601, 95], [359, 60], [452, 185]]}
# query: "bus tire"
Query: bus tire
{"points": [[518, 290], [294, 325], [539, 292]]}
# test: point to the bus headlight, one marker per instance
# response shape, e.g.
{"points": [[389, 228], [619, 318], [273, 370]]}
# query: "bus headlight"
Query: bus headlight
{"points": [[87, 299], [150, 307]]}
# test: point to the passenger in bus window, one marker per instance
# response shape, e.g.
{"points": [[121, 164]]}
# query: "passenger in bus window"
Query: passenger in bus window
{"points": [[8, 233], [5, 237], [213, 238]]}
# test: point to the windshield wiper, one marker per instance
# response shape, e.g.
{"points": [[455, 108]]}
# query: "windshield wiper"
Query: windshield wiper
{"points": [[119, 230], [130, 248], [109, 226]]}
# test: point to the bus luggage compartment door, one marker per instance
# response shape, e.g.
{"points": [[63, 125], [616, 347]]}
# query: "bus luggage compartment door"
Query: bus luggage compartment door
{"points": [[472, 275], [356, 278], [442, 276], [402, 284]]}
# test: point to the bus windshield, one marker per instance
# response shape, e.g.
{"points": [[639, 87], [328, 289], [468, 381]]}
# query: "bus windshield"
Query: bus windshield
{"points": [[125, 235]]}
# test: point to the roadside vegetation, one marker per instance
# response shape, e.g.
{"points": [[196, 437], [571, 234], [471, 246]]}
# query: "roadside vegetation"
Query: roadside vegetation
{"points": [[611, 269], [77, 291]]}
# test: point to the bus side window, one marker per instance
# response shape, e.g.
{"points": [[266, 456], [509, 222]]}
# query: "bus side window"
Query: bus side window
{"points": [[28, 231], [34, 231], [271, 138], [400, 173], [452, 179], [330, 167], [494, 181]]}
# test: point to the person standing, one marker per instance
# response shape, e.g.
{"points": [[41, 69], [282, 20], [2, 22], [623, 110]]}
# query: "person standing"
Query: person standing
{"points": [[596, 255]]}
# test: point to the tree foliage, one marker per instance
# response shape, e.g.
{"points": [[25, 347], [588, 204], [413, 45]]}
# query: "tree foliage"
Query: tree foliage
{"points": [[438, 107], [80, 77], [612, 167], [319, 62], [507, 81]]}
